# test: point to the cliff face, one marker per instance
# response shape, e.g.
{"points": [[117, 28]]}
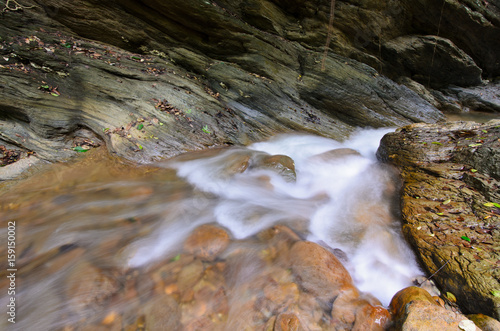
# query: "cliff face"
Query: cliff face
{"points": [[151, 79]]}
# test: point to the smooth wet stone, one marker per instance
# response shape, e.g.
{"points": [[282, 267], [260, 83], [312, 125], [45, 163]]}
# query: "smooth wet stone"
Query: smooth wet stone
{"points": [[190, 275], [162, 313], [281, 164], [318, 271], [370, 317], [88, 287], [414, 308], [408, 295], [344, 308], [207, 242], [484, 322], [335, 155], [287, 322]]}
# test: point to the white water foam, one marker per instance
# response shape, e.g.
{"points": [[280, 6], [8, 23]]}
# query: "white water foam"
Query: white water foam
{"points": [[346, 202]]}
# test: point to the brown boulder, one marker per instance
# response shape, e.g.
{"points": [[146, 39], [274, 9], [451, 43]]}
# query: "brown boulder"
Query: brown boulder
{"points": [[207, 242], [318, 270], [408, 295], [484, 322], [287, 322], [88, 287], [413, 308], [336, 154], [190, 275], [162, 313], [281, 164]]}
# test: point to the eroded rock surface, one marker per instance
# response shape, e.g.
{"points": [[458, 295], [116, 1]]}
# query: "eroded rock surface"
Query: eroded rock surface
{"points": [[450, 205], [152, 80]]}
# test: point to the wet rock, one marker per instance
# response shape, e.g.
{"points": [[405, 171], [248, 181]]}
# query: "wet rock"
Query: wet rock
{"points": [[318, 271], [344, 308], [87, 288], [281, 164], [287, 322], [450, 175], [478, 98], [190, 275], [336, 154], [236, 163], [162, 313], [207, 242], [406, 296], [414, 309], [424, 57], [484, 322], [370, 317], [258, 75]]}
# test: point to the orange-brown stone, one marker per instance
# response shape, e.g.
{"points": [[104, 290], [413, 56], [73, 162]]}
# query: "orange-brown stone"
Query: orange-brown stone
{"points": [[207, 242]]}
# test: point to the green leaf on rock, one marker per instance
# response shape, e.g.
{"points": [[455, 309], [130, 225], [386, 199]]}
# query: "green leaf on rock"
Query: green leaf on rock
{"points": [[446, 202], [475, 145], [473, 170], [140, 126], [440, 214], [496, 293], [492, 204], [140, 146], [205, 129], [436, 143], [484, 131], [176, 258], [465, 238], [54, 94], [80, 149]]}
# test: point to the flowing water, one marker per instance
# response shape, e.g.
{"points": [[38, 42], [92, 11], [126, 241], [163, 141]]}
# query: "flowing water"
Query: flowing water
{"points": [[99, 243]]}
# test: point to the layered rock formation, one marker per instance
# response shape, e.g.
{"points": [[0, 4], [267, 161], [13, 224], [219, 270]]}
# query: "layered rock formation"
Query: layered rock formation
{"points": [[451, 206], [152, 79]]}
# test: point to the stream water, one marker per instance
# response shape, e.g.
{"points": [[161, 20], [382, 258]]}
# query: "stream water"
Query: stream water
{"points": [[99, 243]]}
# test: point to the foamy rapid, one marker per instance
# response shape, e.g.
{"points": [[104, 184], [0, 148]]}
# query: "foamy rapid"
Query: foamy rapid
{"points": [[345, 200]]}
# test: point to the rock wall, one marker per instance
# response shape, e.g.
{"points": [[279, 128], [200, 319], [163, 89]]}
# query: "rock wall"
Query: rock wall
{"points": [[451, 206], [151, 79]]}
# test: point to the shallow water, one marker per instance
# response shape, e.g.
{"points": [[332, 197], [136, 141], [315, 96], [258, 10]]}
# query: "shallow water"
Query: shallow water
{"points": [[123, 227], [474, 116]]}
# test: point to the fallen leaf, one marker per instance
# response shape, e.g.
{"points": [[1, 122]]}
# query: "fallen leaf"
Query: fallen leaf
{"points": [[140, 126], [451, 297], [465, 238], [492, 204], [80, 149]]}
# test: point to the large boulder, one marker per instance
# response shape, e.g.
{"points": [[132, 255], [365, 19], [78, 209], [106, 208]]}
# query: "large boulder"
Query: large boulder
{"points": [[431, 59], [318, 271], [450, 206], [414, 309]]}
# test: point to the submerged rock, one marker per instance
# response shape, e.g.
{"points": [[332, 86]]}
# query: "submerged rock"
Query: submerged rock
{"points": [[318, 270], [281, 164], [450, 206], [207, 242]]}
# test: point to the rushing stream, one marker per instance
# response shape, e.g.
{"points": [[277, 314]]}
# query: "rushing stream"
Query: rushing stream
{"points": [[99, 243]]}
